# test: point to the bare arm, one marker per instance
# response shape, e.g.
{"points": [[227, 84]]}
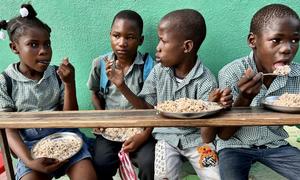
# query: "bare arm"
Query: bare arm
{"points": [[136, 101], [17, 145], [134, 142], [44, 165], [208, 134], [67, 74], [116, 76], [98, 101]]}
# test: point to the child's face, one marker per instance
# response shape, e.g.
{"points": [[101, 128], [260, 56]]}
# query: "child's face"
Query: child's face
{"points": [[277, 44], [34, 49], [125, 38], [170, 48]]}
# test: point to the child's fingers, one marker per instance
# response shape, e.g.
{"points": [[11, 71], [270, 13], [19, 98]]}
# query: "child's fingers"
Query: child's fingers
{"points": [[246, 83], [65, 61], [127, 142], [106, 60], [109, 65], [214, 95], [226, 101], [226, 91], [249, 73], [49, 161]]}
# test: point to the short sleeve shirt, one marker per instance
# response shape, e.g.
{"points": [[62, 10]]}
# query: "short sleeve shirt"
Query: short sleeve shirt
{"points": [[161, 85], [115, 99], [31, 95], [271, 136], [133, 79]]}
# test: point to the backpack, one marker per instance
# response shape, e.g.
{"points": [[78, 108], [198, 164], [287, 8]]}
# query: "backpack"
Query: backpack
{"points": [[104, 82], [9, 81]]}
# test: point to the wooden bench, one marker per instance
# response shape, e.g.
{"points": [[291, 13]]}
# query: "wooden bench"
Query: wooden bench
{"points": [[132, 118]]}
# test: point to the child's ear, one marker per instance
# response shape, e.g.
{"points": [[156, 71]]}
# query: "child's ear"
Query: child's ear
{"points": [[141, 40], [188, 46], [252, 40], [13, 47]]}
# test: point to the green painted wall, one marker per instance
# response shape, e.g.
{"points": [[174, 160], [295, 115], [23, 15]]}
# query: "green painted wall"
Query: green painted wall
{"points": [[80, 29]]}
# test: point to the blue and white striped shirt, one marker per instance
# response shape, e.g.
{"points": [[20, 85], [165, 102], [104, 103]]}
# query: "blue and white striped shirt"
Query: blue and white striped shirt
{"points": [[161, 85], [271, 136]]}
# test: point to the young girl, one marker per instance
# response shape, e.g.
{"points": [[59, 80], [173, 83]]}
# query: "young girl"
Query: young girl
{"points": [[37, 87]]}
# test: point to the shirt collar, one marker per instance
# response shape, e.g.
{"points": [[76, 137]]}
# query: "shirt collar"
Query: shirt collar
{"points": [[138, 59], [14, 73], [195, 72]]}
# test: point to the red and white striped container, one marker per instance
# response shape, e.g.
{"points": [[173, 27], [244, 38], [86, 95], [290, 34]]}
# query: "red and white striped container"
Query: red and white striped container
{"points": [[126, 169]]}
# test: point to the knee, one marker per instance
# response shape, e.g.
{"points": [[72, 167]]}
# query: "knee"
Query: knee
{"points": [[146, 163], [105, 164]]}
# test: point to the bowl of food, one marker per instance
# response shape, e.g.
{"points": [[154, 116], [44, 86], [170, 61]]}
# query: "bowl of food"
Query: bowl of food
{"points": [[289, 103], [185, 108], [119, 134], [60, 146]]}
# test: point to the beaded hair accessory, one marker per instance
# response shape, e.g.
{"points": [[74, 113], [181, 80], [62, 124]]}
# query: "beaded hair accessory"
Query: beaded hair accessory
{"points": [[24, 12], [2, 35]]}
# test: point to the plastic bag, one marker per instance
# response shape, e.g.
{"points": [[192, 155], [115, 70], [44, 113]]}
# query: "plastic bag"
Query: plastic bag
{"points": [[126, 169]]}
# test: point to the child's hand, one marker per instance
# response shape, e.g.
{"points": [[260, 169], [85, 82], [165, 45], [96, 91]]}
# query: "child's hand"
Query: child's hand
{"points": [[114, 72], [66, 71], [45, 165], [98, 130], [250, 84], [133, 143], [215, 95], [224, 97]]}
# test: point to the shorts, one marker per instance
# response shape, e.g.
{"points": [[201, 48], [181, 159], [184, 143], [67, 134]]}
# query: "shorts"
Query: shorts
{"points": [[169, 160]]}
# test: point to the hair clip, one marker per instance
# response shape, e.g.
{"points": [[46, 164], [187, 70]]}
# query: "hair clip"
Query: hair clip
{"points": [[2, 35], [24, 12]]}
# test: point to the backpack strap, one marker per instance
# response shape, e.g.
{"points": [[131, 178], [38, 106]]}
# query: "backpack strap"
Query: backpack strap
{"points": [[104, 83], [57, 76], [8, 83], [148, 65]]}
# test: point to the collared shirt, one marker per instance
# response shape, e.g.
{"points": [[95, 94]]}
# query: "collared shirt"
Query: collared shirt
{"points": [[161, 85], [271, 136], [133, 79], [115, 99], [32, 95]]}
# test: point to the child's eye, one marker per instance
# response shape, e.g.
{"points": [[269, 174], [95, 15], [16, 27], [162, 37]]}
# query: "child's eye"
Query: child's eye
{"points": [[116, 36], [276, 40], [48, 45], [295, 41], [131, 37], [33, 45]]}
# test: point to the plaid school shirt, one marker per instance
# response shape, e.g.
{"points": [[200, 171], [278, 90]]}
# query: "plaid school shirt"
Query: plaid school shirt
{"points": [[115, 99], [271, 136], [31, 95], [161, 85]]}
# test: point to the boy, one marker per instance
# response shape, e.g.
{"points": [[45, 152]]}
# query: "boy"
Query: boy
{"points": [[179, 74], [126, 36], [274, 39]]}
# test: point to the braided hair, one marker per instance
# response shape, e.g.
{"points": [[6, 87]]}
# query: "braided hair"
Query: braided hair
{"points": [[16, 27]]}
